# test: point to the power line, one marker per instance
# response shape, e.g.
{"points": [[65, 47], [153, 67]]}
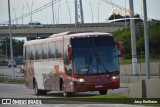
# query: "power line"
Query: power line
{"points": [[33, 12]]}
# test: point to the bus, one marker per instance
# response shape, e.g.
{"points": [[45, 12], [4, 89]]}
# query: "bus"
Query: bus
{"points": [[72, 62]]}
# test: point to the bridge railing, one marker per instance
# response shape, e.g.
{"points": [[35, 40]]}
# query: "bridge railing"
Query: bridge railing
{"points": [[23, 26]]}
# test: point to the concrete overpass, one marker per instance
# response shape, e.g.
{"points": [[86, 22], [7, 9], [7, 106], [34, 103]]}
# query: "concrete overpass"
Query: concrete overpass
{"points": [[49, 29]]}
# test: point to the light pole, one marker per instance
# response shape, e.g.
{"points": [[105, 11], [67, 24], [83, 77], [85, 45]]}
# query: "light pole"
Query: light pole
{"points": [[10, 35], [6, 48], [15, 14], [22, 14], [29, 11], [146, 40], [133, 40], [68, 11], [98, 10], [91, 10]]}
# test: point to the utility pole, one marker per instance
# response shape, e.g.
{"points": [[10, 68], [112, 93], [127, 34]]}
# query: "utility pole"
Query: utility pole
{"points": [[146, 40], [133, 40], [10, 35]]}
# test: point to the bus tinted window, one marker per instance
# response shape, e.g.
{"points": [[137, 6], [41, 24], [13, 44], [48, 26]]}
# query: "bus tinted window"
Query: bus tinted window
{"points": [[38, 52], [45, 51], [31, 52], [59, 49], [51, 53]]}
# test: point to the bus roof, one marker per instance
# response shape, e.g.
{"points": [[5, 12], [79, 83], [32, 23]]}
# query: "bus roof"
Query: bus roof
{"points": [[67, 35]]}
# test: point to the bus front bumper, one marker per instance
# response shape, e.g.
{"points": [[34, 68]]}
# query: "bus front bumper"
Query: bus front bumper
{"points": [[86, 86]]}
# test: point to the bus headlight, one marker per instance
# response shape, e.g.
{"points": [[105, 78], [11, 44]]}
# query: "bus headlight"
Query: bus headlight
{"points": [[115, 77], [78, 80]]}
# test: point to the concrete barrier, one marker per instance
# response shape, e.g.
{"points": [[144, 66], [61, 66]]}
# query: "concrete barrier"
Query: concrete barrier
{"points": [[144, 89], [128, 70], [153, 88]]}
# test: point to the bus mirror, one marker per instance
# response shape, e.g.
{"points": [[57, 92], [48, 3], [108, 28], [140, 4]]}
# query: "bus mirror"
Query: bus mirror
{"points": [[70, 52], [121, 46]]}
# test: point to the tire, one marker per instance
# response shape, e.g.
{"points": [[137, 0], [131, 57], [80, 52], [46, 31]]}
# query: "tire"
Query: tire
{"points": [[103, 92], [65, 94], [43, 92], [36, 90]]}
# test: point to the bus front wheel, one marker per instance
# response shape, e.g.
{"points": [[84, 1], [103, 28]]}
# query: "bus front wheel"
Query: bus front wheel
{"points": [[37, 91], [103, 92], [65, 94]]}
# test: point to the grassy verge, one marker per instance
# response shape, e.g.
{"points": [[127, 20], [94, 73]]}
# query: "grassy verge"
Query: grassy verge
{"points": [[109, 98], [140, 60], [14, 81]]}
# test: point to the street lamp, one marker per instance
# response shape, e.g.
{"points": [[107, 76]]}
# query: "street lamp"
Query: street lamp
{"points": [[98, 10], [15, 14], [22, 13], [91, 10], [68, 11], [29, 11]]}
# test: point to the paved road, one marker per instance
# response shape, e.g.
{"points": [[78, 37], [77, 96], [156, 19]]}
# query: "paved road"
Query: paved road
{"points": [[74, 105], [20, 91]]}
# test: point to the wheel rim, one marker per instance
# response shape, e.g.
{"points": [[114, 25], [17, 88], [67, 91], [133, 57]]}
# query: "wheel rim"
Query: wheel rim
{"points": [[35, 89], [63, 90]]}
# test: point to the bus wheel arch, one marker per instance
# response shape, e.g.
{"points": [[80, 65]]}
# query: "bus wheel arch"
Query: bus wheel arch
{"points": [[36, 90], [62, 88], [33, 82]]}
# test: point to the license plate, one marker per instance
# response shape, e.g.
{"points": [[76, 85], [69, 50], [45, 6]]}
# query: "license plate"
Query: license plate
{"points": [[98, 86]]}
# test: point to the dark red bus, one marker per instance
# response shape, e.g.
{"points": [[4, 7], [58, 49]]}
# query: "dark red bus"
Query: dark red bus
{"points": [[72, 62]]}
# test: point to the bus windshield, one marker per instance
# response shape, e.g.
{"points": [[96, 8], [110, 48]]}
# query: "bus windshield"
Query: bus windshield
{"points": [[94, 55]]}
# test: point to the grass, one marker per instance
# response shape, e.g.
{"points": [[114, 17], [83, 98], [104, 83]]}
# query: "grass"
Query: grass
{"points": [[14, 81], [140, 60], [109, 98]]}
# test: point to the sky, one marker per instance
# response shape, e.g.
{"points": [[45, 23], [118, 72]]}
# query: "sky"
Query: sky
{"points": [[64, 10]]}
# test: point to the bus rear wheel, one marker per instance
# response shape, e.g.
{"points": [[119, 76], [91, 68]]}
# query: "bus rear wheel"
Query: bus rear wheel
{"points": [[103, 92]]}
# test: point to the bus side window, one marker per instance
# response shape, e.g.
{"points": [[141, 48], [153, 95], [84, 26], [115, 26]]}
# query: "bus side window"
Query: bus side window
{"points": [[38, 53], [59, 48], [27, 53], [51, 50], [31, 52], [45, 51]]}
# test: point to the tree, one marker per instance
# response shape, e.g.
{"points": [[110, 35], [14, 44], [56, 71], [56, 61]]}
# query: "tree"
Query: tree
{"points": [[17, 46], [124, 35]]}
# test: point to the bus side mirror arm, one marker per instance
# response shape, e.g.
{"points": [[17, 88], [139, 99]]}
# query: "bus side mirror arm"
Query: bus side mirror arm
{"points": [[70, 52], [121, 46]]}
